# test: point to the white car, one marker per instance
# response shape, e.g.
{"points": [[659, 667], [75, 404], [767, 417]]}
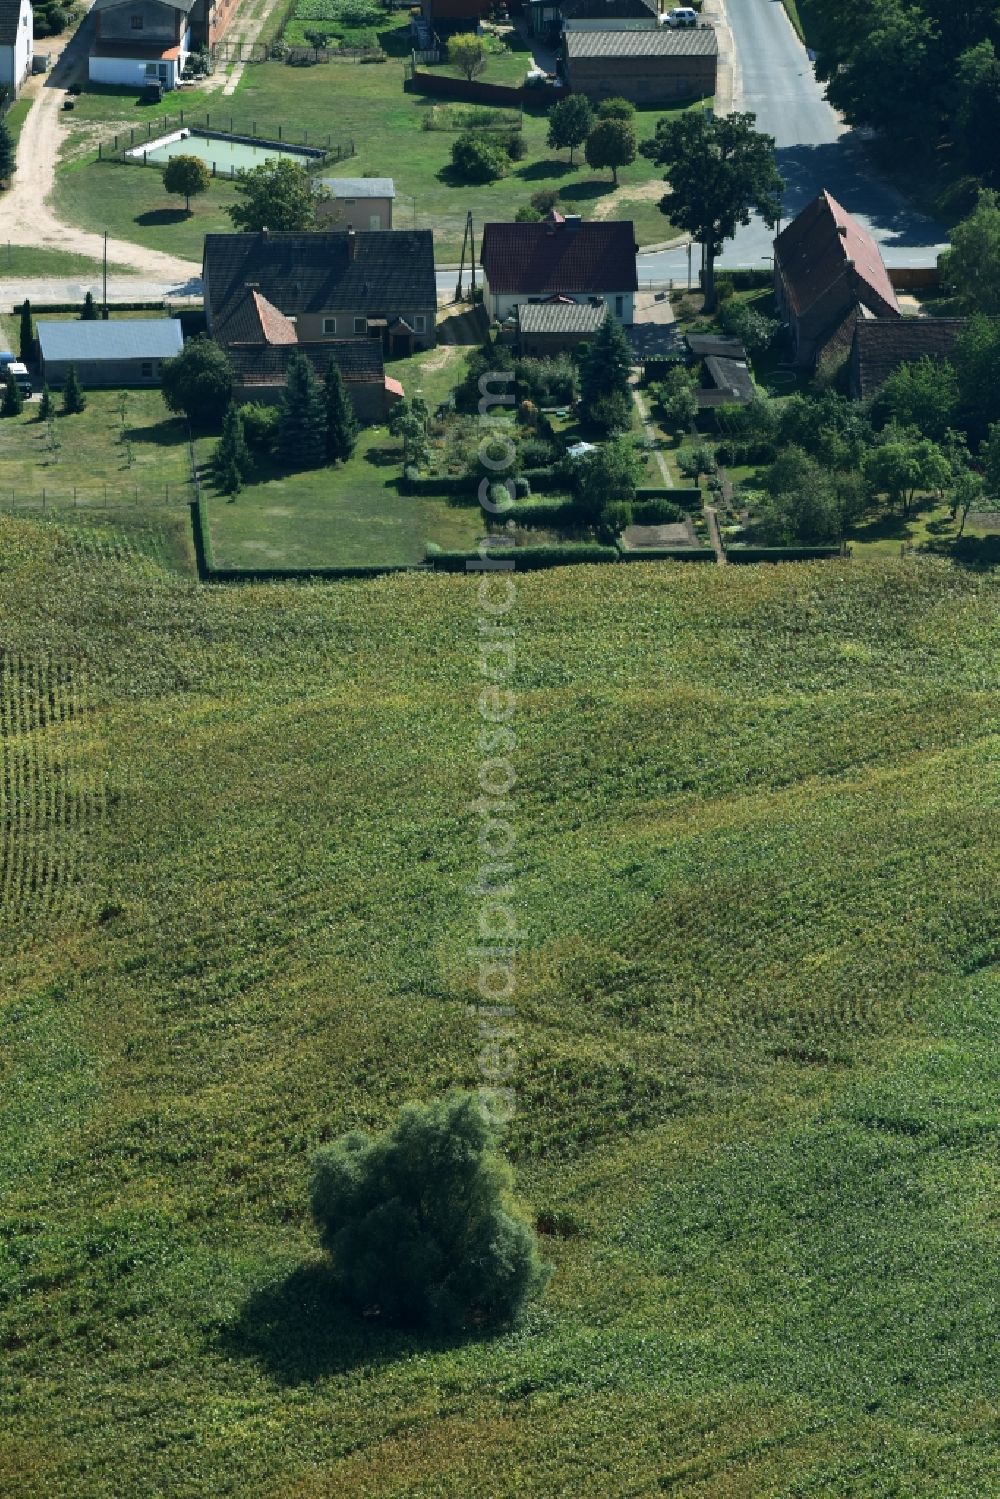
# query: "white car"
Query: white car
{"points": [[681, 15]]}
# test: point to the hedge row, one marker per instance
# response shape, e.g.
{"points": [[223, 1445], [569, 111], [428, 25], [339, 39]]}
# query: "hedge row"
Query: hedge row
{"points": [[561, 515], [688, 498], [782, 554], [76, 307], [526, 559], [666, 554]]}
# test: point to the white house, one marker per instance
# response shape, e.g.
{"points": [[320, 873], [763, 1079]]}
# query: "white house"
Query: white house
{"points": [[357, 203], [576, 261], [17, 32], [140, 41]]}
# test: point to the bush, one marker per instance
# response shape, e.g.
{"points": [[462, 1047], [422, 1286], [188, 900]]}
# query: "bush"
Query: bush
{"points": [[617, 517], [695, 461], [657, 512], [611, 413], [725, 287], [547, 382], [742, 321], [419, 1223], [536, 453], [514, 145], [478, 158], [260, 426], [522, 487]]}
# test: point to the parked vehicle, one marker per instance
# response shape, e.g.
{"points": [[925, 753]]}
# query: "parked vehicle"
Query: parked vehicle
{"points": [[682, 15], [6, 358], [20, 373]]}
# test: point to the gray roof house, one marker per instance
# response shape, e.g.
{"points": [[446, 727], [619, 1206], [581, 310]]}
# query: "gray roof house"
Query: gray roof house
{"points": [[124, 351], [551, 327], [357, 202], [326, 284]]}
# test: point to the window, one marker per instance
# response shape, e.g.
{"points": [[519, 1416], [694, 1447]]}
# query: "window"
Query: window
{"points": [[136, 22], [329, 325], [146, 369], [361, 325], [152, 70], [419, 323], [619, 306]]}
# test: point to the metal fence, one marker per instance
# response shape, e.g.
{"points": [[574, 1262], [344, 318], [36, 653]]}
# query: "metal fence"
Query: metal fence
{"points": [[50, 497], [226, 126]]}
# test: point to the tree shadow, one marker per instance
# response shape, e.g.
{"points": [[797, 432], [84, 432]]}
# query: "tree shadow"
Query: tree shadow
{"points": [[977, 553], [299, 1333], [155, 216], [545, 169], [383, 457], [586, 190]]}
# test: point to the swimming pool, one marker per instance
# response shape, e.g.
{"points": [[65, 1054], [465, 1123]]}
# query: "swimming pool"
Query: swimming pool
{"points": [[225, 154]]}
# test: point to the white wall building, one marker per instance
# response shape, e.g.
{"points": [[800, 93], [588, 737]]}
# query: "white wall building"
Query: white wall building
{"points": [[17, 43]]}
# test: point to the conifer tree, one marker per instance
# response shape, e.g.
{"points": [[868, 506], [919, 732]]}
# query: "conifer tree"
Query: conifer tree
{"points": [[27, 339], [231, 459], [302, 426], [74, 399], [341, 423], [8, 155], [13, 400], [46, 406], [604, 369]]}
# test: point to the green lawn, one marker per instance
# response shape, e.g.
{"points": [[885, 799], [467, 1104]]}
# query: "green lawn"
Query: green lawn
{"points": [[92, 458], [349, 515], [754, 1058], [365, 104]]}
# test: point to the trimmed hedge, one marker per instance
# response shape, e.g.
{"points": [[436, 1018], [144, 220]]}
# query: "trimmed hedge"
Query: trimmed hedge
{"points": [[657, 512], [560, 515], [782, 554], [112, 306], [666, 554], [686, 496], [528, 559], [543, 480], [443, 484]]}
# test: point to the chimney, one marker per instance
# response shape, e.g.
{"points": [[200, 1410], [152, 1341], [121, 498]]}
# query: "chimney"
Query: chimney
{"points": [[842, 230], [352, 244], [573, 221]]}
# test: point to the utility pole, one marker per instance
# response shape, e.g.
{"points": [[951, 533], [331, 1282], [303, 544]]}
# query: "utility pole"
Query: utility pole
{"points": [[689, 247], [467, 239]]}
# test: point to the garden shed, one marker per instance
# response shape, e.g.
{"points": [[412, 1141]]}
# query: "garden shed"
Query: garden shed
{"points": [[124, 351]]}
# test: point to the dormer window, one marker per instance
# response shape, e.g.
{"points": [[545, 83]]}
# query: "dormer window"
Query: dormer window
{"points": [[136, 22]]}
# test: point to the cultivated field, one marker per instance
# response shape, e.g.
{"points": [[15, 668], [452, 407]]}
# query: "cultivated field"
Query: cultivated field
{"points": [[755, 1063]]}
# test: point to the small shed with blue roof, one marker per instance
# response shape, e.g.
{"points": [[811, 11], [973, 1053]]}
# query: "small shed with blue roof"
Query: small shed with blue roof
{"points": [[121, 351]]}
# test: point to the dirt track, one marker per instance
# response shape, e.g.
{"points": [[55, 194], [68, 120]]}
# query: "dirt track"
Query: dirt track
{"points": [[28, 219]]}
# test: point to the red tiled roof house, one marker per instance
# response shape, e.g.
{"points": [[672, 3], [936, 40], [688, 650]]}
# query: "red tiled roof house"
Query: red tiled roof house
{"points": [[560, 257], [826, 267]]}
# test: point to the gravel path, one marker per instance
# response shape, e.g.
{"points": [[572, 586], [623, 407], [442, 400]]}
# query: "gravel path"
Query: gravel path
{"points": [[27, 216]]}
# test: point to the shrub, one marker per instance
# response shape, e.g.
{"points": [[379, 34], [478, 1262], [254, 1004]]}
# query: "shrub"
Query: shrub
{"points": [[744, 322], [522, 487], [615, 109], [695, 461], [419, 1223], [617, 517], [536, 453], [260, 426], [514, 145], [725, 288], [656, 512], [547, 382], [611, 413], [477, 158]]}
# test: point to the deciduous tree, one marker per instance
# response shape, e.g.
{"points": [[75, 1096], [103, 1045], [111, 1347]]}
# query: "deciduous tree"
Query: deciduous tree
{"points": [[570, 122], [720, 171], [186, 177], [467, 53], [199, 382], [277, 195], [8, 155], [972, 265], [611, 143], [419, 1222]]}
